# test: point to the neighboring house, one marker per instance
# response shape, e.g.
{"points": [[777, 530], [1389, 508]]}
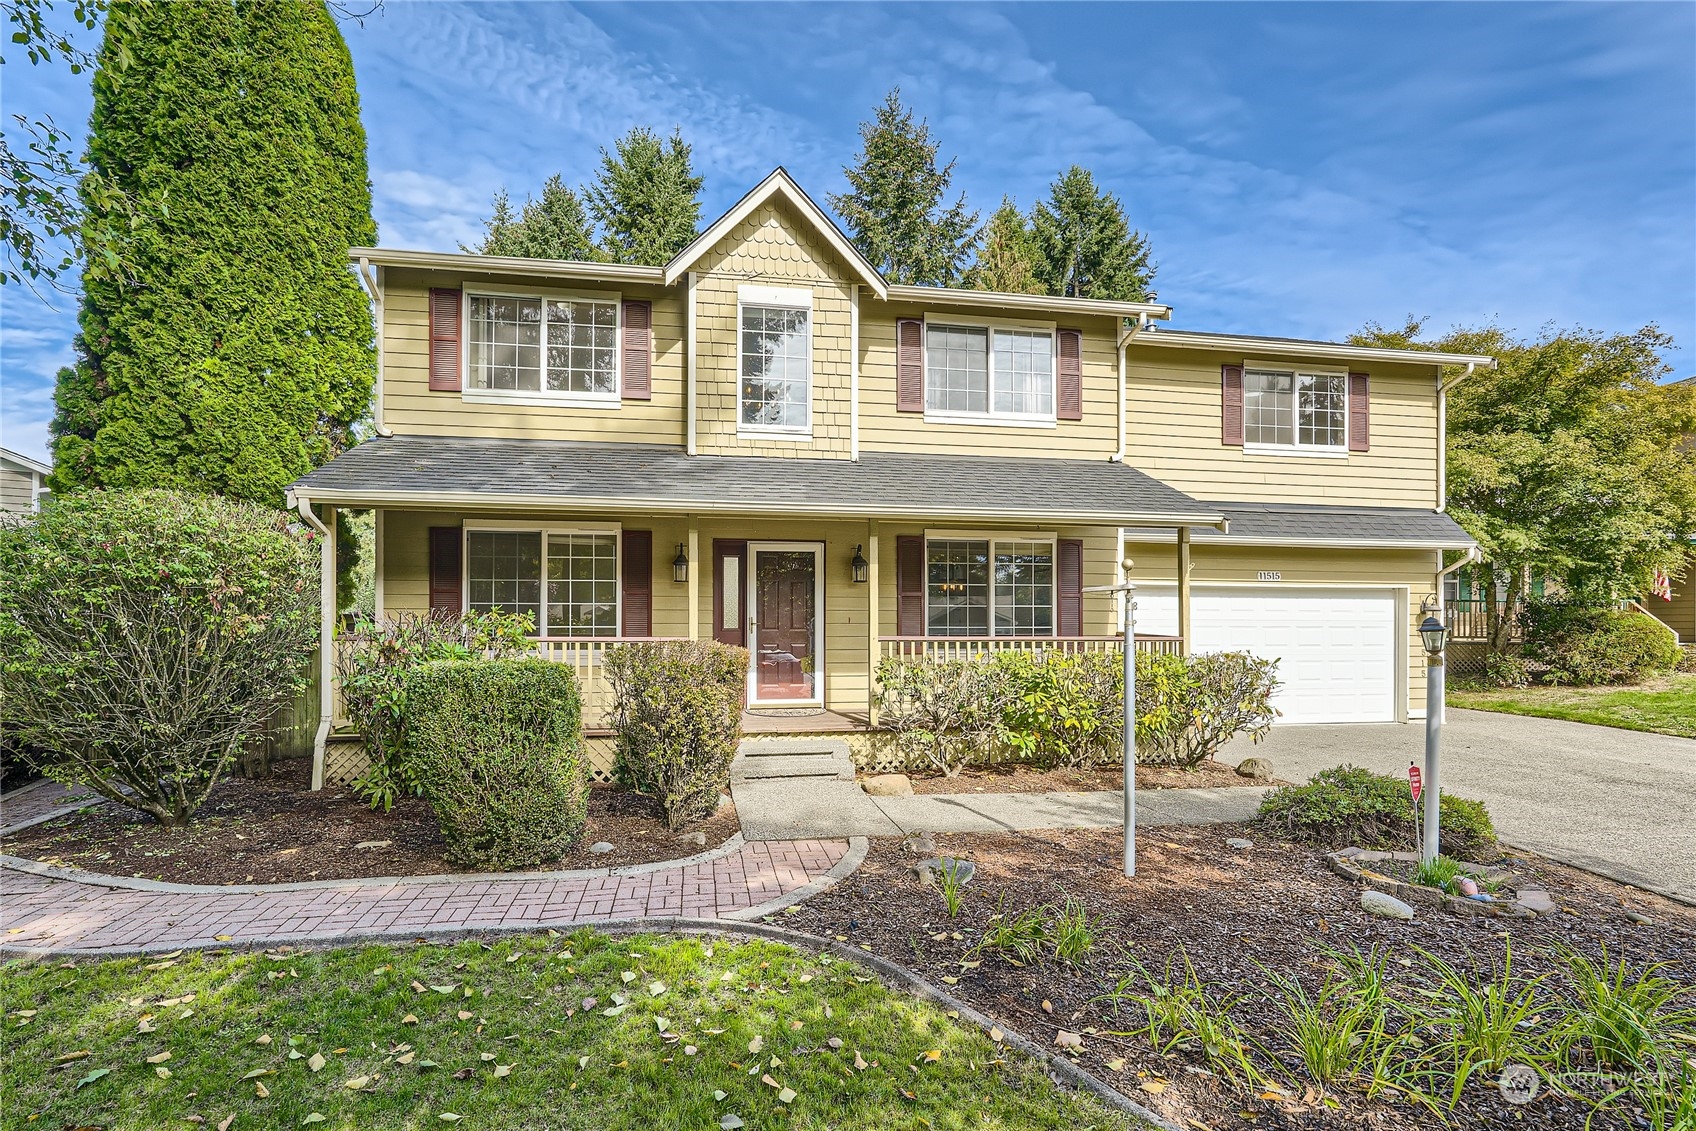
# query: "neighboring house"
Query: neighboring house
{"points": [[766, 443], [22, 482]]}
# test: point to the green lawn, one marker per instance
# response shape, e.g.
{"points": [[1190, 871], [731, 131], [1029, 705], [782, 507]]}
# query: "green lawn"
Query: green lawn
{"points": [[1666, 705], [475, 1037]]}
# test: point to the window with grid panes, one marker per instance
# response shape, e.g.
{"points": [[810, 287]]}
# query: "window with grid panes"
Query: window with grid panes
{"points": [[983, 587], [1294, 409], [532, 344], [566, 582], [776, 361]]}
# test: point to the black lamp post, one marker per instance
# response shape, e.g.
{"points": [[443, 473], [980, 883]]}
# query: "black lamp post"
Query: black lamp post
{"points": [[860, 566], [1435, 636], [680, 565]]}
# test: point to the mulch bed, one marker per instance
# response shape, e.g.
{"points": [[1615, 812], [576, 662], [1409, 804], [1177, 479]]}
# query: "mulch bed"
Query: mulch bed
{"points": [[1230, 912], [1015, 778], [279, 831]]}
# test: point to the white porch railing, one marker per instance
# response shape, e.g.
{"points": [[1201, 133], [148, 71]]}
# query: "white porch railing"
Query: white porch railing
{"points": [[584, 655], [977, 647]]}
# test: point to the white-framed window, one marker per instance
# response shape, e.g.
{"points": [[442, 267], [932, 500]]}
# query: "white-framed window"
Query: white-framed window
{"points": [[546, 346], [1294, 409], [981, 372], [566, 579], [775, 360], [989, 586]]}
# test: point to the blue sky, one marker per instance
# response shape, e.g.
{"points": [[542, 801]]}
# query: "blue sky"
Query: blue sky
{"points": [[1300, 169]]}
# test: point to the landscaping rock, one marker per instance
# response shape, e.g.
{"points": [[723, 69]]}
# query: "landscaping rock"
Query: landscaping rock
{"points": [[1259, 769], [1384, 906], [920, 844], [1238, 843], [1535, 900], [888, 785], [696, 838], [600, 848], [1640, 918], [373, 844], [929, 870]]}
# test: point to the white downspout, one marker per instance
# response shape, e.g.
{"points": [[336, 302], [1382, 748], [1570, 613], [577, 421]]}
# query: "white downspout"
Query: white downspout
{"points": [[689, 366], [854, 371], [1124, 395], [375, 289], [326, 634]]}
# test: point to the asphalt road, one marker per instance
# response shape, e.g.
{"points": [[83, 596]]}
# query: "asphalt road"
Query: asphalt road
{"points": [[1618, 802]]}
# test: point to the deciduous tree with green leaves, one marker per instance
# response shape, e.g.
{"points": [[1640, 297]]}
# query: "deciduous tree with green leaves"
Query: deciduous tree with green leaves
{"points": [[1568, 462], [1085, 245], [236, 352], [1007, 260], [552, 226], [646, 200], [894, 204]]}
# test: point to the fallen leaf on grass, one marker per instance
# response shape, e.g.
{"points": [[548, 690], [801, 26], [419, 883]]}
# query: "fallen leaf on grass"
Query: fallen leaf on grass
{"points": [[614, 1010], [931, 1056], [503, 1070], [719, 1096], [730, 1122], [93, 1076], [315, 1117], [464, 1015], [156, 1058], [486, 1056], [405, 1058], [224, 1123], [860, 1064], [409, 1019], [996, 1034], [690, 1050], [756, 1044], [655, 989], [447, 989], [356, 1083], [260, 1090], [786, 1096], [805, 978], [316, 1061], [582, 1062], [265, 1038], [449, 1117], [162, 1072], [628, 976], [834, 1042]]}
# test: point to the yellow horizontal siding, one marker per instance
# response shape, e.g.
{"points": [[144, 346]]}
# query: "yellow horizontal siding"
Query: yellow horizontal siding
{"points": [[1173, 434]]}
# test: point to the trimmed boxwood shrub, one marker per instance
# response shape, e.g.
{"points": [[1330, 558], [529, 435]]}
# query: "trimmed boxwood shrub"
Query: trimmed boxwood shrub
{"points": [[145, 636], [677, 712], [496, 746], [1581, 645], [1348, 805]]}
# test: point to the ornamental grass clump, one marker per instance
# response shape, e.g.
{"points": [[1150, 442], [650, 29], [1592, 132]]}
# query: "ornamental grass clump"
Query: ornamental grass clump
{"points": [[146, 636], [496, 746], [677, 712]]}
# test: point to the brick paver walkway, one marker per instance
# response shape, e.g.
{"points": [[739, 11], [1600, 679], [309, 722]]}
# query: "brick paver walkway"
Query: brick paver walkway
{"points": [[44, 909], [27, 805]]}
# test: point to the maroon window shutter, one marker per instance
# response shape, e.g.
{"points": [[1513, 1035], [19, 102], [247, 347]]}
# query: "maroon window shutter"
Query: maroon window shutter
{"points": [[1070, 578], [638, 576], [444, 340], [1360, 412], [1231, 414], [638, 348], [445, 570], [1069, 397], [736, 631], [910, 585], [909, 365]]}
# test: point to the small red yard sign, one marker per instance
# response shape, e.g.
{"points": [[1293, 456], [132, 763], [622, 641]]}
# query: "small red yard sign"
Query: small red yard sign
{"points": [[1415, 781]]}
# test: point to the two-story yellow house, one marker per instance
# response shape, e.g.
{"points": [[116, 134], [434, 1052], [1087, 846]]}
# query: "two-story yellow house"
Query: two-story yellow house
{"points": [[765, 442]]}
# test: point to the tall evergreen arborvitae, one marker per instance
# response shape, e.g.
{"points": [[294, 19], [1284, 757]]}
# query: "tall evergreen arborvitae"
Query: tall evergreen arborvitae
{"points": [[237, 352], [1085, 246], [646, 198], [894, 204]]}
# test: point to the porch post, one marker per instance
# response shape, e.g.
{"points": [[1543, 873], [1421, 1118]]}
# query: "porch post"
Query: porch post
{"points": [[377, 565], [326, 646], [873, 629], [1184, 590], [695, 567]]}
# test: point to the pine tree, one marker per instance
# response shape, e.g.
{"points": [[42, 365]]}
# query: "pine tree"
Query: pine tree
{"points": [[1085, 246], [1007, 260], [237, 352], [894, 209], [551, 227], [646, 199]]}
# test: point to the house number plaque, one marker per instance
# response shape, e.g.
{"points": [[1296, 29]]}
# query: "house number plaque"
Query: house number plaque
{"points": [[1271, 575]]}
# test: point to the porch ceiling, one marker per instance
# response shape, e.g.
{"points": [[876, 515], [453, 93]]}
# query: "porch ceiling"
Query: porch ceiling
{"points": [[454, 471]]}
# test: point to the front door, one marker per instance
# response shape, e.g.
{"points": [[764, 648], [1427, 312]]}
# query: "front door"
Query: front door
{"points": [[783, 628]]}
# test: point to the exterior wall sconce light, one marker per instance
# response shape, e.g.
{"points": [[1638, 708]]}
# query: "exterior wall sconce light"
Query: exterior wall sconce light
{"points": [[860, 566], [680, 565]]}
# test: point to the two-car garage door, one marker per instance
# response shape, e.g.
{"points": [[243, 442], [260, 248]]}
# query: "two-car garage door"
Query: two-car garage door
{"points": [[1337, 648]]}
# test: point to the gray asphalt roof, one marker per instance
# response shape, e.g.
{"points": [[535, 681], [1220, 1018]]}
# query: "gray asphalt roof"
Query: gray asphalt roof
{"points": [[1317, 522], [475, 471]]}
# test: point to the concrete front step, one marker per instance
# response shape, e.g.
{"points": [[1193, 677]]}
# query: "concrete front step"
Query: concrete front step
{"points": [[788, 758]]}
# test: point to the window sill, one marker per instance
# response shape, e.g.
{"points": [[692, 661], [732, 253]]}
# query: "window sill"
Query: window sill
{"points": [[1294, 450], [991, 419], [540, 400], [793, 435]]}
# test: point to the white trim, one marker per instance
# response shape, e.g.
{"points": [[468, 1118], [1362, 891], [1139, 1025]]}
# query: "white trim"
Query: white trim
{"points": [[377, 563], [507, 265], [989, 322], [34, 465], [1233, 343], [1307, 451], [1046, 304], [1049, 538], [777, 183], [1162, 537], [546, 531], [751, 603], [690, 340], [780, 298], [990, 416], [541, 397]]}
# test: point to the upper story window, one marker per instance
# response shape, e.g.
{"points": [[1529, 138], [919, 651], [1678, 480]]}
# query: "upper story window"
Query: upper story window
{"points": [[775, 356], [542, 344], [984, 587], [1293, 409], [989, 371], [566, 580]]}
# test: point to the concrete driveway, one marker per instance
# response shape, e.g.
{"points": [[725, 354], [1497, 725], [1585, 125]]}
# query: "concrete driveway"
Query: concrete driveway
{"points": [[1618, 802]]}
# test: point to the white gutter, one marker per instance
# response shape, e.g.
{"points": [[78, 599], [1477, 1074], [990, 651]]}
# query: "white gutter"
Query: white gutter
{"points": [[689, 362], [1124, 395], [854, 371], [368, 277], [509, 265], [1443, 388], [1287, 347], [951, 296], [326, 634]]}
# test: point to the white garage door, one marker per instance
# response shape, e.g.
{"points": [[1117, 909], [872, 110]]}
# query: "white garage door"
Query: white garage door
{"points": [[1336, 648]]}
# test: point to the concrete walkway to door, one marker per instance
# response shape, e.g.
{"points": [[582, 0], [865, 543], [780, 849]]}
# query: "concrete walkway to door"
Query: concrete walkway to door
{"points": [[1618, 802]]}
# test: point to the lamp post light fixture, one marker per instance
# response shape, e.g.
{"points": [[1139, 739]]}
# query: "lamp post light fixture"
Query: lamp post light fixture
{"points": [[860, 566], [680, 565], [1435, 636]]}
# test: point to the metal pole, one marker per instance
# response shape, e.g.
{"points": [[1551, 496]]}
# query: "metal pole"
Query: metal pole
{"points": [[1130, 731], [1433, 745]]}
